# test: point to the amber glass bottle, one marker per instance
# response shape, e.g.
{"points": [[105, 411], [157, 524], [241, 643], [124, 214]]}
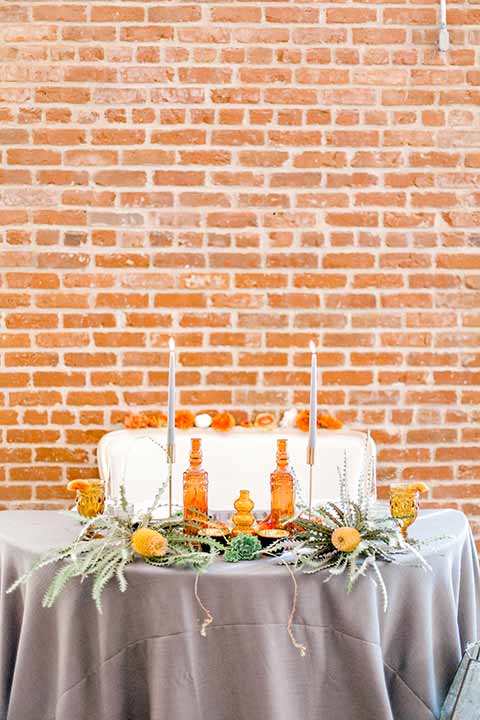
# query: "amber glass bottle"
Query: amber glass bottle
{"points": [[195, 490], [243, 519], [282, 490]]}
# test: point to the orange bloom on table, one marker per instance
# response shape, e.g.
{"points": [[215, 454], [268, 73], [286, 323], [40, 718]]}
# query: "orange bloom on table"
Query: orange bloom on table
{"points": [[265, 421], [346, 539], [184, 419], [329, 422], [135, 421], [246, 423], [302, 420], [157, 421], [149, 543], [223, 421]]}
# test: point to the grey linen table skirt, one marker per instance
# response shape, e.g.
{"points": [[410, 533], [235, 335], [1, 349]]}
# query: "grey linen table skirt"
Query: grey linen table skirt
{"points": [[144, 657]]}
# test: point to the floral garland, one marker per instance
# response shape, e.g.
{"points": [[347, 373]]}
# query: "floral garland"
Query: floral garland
{"points": [[225, 421]]}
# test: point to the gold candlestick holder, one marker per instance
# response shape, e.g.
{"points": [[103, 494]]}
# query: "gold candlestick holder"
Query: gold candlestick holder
{"points": [[310, 463], [170, 462]]}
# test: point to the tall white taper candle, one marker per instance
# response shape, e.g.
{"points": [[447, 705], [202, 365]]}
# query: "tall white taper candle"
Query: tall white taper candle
{"points": [[171, 395], [312, 428]]}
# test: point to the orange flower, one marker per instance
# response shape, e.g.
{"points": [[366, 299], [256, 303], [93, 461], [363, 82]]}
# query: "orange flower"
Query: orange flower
{"points": [[134, 421], [246, 423], [302, 420], [80, 485], [223, 421], [157, 421], [184, 419], [346, 539], [329, 422], [149, 543], [265, 421]]}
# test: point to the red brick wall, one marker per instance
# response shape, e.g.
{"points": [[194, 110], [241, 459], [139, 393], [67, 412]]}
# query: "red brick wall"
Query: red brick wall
{"points": [[244, 176]]}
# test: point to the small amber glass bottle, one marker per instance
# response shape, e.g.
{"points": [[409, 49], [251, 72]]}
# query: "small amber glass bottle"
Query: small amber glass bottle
{"points": [[282, 490], [195, 490], [243, 520]]}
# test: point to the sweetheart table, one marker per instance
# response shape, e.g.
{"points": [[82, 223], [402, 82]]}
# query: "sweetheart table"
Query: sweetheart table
{"points": [[145, 659]]}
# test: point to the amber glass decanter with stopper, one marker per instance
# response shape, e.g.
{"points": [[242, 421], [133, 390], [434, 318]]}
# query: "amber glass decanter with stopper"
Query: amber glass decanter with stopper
{"points": [[282, 492], [195, 491]]}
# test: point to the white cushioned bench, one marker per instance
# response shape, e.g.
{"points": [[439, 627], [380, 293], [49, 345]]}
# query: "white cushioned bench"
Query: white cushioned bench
{"points": [[240, 459]]}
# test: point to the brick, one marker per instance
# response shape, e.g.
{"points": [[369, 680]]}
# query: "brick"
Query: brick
{"points": [[106, 13], [17, 156], [68, 95], [59, 137], [118, 137], [58, 379], [30, 320], [407, 16]]}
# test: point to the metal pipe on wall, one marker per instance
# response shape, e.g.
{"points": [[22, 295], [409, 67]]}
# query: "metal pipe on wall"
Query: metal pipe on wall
{"points": [[443, 36]]}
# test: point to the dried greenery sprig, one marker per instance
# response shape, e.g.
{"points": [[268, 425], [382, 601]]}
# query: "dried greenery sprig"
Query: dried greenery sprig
{"points": [[344, 538], [105, 556], [105, 545]]}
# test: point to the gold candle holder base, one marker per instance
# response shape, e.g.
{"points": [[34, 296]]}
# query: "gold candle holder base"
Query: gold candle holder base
{"points": [[215, 530], [310, 455], [310, 463], [170, 461], [267, 536]]}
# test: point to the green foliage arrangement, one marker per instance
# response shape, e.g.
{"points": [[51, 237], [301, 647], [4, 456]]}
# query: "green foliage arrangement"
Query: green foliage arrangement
{"points": [[345, 537], [103, 548], [243, 547]]}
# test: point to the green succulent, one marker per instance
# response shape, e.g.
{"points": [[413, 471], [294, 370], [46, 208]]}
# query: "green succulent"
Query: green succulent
{"points": [[243, 547]]}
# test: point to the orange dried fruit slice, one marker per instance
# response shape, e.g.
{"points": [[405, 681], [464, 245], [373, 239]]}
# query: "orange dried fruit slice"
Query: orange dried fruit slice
{"points": [[418, 487], [80, 485]]}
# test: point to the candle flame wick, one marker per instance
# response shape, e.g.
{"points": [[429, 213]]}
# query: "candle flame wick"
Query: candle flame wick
{"points": [[312, 346], [171, 344]]}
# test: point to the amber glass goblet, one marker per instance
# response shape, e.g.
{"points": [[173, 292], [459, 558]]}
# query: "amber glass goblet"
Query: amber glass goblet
{"points": [[403, 505], [91, 502]]}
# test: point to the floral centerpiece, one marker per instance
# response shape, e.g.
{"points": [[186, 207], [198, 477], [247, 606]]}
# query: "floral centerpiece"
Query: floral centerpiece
{"points": [[225, 421]]}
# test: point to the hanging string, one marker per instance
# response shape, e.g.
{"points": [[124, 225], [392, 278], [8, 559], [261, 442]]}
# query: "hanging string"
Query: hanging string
{"points": [[208, 615], [301, 648]]}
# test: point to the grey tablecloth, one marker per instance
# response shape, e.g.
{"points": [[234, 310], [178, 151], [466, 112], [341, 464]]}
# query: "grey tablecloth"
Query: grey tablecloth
{"points": [[144, 658]]}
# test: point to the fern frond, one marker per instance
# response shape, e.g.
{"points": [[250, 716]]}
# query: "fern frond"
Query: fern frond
{"points": [[61, 578], [122, 580], [103, 576], [51, 557], [383, 587]]}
